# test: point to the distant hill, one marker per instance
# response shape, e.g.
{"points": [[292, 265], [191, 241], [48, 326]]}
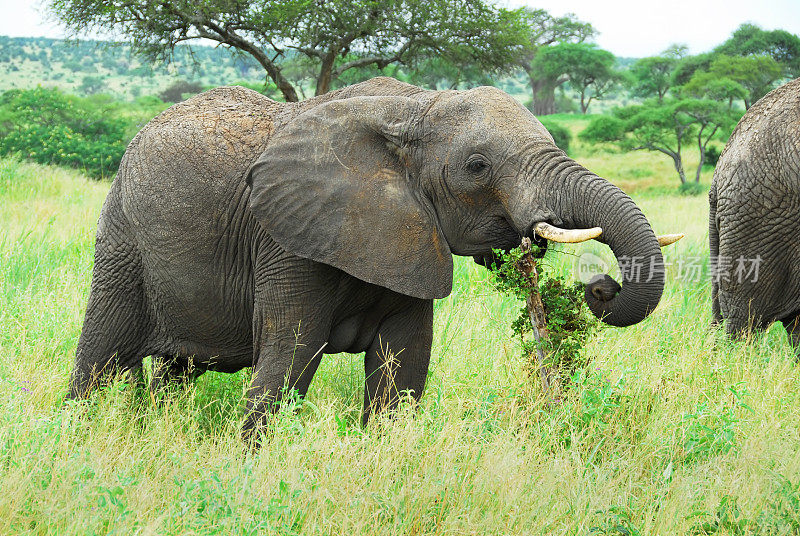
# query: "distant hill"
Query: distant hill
{"points": [[88, 67]]}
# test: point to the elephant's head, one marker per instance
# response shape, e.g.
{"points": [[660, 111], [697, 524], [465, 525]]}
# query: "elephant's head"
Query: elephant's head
{"points": [[386, 188]]}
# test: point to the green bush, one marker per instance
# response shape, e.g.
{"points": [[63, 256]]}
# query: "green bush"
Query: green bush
{"points": [[603, 128], [692, 188], [569, 321], [49, 127], [180, 90], [566, 104], [560, 133], [712, 156]]}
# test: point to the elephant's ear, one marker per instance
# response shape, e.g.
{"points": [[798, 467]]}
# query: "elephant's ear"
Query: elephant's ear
{"points": [[334, 186]]}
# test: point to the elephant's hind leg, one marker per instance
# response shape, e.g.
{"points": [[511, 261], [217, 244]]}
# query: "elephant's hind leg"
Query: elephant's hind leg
{"points": [[792, 325], [713, 241], [115, 327]]}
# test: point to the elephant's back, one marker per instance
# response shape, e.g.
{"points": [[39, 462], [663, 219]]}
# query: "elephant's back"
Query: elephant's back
{"points": [[183, 195], [182, 176], [761, 161], [203, 143], [757, 186]]}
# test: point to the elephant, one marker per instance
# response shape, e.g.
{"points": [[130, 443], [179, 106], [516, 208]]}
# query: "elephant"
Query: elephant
{"points": [[753, 223], [242, 232]]}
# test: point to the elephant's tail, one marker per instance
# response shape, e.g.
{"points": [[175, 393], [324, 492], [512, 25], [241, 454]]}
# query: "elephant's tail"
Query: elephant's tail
{"points": [[713, 242]]}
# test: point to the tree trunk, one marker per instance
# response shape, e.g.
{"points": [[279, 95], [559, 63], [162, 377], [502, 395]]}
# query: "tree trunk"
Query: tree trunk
{"points": [[527, 267], [273, 71], [676, 159], [585, 107], [544, 96], [325, 74], [701, 145], [287, 90], [700, 165]]}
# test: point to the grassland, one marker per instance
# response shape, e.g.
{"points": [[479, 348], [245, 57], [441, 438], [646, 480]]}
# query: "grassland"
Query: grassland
{"points": [[672, 430]]}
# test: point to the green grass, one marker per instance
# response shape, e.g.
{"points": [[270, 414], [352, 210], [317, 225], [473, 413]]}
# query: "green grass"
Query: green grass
{"points": [[672, 430]]}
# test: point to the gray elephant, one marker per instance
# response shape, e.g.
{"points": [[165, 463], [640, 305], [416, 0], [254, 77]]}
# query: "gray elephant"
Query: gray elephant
{"points": [[753, 218], [242, 232]]}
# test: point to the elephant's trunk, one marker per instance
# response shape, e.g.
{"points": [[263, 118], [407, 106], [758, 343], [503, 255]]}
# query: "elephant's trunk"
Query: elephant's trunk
{"points": [[577, 198]]}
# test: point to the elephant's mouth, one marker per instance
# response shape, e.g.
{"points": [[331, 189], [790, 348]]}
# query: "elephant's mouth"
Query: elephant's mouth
{"points": [[491, 260]]}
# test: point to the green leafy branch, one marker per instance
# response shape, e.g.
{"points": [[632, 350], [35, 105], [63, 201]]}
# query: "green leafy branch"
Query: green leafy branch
{"points": [[568, 321]]}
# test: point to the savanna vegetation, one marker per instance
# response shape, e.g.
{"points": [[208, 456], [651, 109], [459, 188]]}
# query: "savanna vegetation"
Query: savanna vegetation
{"points": [[666, 104], [665, 427]]}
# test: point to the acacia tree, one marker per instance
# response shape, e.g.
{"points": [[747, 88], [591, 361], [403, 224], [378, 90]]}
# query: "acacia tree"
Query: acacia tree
{"points": [[589, 69], [709, 118], [544, 30], [705, 85], [665, 127], [333, 36], [689, 65], [652, 76], [658, 127], [780, 45], [440, 73], [756, 74], [734, 77]]}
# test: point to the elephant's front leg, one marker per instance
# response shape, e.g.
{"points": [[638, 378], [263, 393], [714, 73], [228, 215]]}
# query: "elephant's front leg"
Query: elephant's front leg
{"points": [[398, 358], [291, 324]]}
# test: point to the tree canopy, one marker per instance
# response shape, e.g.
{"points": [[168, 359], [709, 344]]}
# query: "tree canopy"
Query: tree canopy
{"points": [[652, 76], [545, 30], [589, 69], [780, 45], [330, 37], [665, 127], [735, 77]]}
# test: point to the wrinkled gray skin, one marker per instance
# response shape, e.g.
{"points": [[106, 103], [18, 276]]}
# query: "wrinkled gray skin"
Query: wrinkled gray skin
{"points": [[755, 212], [243, 232]]}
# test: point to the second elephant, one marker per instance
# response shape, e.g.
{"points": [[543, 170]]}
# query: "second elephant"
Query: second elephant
{"points": [[754, 219]]}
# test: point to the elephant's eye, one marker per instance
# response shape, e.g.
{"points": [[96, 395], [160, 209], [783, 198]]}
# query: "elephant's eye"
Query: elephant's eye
{"points": [[477, 164]]}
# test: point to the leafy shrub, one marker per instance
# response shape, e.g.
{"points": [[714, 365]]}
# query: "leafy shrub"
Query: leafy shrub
{"points": [[560, 133], [49, 127], [180, 90], [91, 85], [780, 515], [569, 321], [566, 104], [692, 188], [711, 431], [617, 520], [712, 156], [603, 128]]}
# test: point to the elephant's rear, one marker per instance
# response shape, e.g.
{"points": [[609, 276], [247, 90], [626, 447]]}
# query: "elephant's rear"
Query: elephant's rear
{"points": [[181, 204], [754, 224]]}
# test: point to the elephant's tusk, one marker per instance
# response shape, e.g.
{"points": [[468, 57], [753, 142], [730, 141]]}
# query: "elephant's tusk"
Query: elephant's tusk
{"points": [[570, 236], [667, 239]]}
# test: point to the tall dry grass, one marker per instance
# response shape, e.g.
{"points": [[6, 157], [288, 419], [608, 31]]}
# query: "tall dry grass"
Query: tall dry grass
{"points": [[672, 430]]}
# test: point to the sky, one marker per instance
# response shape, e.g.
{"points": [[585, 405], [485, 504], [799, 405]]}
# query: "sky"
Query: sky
{"points": [[628, 28]]}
